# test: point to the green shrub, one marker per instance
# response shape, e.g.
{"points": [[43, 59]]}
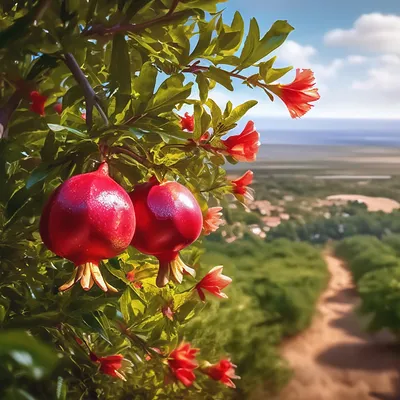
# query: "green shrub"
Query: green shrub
{"points": [[380, 294]]}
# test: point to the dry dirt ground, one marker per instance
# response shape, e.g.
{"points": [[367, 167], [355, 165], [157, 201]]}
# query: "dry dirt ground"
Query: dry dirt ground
{"points": [[335, 359], [372, 203]]}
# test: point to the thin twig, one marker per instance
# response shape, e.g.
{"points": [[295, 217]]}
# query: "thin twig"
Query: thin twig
{"points": [[195, 69], [7, 110], [89, 93]]}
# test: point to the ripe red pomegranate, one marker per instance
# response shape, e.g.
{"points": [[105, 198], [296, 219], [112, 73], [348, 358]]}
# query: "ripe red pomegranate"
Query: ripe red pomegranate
{"points": [[88, 218], [169, 219]]}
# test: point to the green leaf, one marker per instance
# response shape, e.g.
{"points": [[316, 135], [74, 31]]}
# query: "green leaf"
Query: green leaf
{"points": [[220, 76], [276, 73], [239, 111], [27, 351], [73, 96], [216, 113], [206, 30], [143, 85], [134, 8], [3, 313], [198, 111], [93, 321], [228, 109], [170, 93], [271, 41], [18, 200], [204, 86], [167, 157], [58, 128], [251, 42], [269, 74], [131, 305], [120, 70], [38, 174], [50, 147]]}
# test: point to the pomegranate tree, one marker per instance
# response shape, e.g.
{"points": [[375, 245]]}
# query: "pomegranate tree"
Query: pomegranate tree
{"points": [[169, 219], [86, 219], [129, 82]]}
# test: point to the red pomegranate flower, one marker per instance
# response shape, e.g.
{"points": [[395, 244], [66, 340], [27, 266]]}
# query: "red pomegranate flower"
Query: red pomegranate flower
{"points": [[223, 371], [182, 362], [240, 185], [37, 102], [58, 108], [243, 147], [109, 365], [212, 220], [172, 218], [83, 116], [88, 218], [213, 283], [299, 94], [187, 122]]}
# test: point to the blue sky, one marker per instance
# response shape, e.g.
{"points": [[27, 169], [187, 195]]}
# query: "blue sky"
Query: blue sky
{"points": [[352, 45]]}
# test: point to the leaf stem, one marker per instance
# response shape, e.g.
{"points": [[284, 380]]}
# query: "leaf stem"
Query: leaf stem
{"points": [[89, 93]]}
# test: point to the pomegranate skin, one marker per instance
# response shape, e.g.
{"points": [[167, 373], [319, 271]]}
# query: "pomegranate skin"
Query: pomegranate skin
{"points": [[169, 219], [88, 218]]}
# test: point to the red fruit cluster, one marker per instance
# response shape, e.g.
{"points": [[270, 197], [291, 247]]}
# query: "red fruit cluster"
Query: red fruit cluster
{"points": [[90, 218]]}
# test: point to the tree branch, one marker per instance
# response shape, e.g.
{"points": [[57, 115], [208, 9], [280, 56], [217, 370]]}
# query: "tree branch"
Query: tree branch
{"points": [[173, 7], [89, 93], [101, 30], [131, 154], [7, 110]]}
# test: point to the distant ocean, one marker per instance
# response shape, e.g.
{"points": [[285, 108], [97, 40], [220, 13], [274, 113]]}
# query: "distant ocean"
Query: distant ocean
{"points": [[332, 137]]}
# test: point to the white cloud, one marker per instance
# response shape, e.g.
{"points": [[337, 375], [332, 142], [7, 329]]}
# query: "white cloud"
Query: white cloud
{"points": [[301, 56], [356, 59], [383, 78], [372, 32], [295, 54]]}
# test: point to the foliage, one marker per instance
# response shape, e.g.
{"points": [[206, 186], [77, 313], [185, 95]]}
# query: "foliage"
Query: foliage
{"points": [[376, 269], [113, 75], [274, 187], [365, 254], [343, 224]]}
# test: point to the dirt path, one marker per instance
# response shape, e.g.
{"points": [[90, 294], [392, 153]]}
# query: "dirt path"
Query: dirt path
{"points": [[335, 359]]}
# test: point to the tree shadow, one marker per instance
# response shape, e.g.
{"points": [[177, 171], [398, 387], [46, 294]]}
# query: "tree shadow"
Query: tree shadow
{"points": [[362, 356], [344, 296], [383, 396]]}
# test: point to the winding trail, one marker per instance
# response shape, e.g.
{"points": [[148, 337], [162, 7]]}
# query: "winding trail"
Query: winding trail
{"points": [[335, 359]]}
